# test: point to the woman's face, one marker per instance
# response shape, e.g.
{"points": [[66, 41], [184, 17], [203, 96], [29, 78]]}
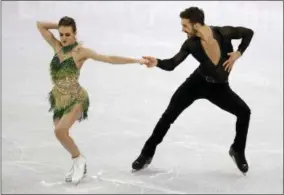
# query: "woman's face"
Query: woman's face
{"points": [[67, 35]]}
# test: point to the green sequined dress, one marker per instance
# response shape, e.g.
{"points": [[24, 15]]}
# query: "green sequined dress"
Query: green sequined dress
{"points": [[66, 91]]}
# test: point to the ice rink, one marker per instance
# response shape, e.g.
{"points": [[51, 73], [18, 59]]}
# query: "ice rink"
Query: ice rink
{"points": [[128, 100]]}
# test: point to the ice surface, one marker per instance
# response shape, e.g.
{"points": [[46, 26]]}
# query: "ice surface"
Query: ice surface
{"points": [[127, 101]]}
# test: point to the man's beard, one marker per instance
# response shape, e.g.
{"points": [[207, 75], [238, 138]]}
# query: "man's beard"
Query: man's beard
{"points": [[193, 34]]}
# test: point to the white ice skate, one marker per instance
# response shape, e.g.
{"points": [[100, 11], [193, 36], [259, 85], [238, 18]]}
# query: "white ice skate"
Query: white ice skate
{"points": [[68, 176], [78, 170]]}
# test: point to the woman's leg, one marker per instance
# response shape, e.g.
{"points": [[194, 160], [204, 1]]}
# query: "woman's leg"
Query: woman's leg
{"points": [[62, 128]]}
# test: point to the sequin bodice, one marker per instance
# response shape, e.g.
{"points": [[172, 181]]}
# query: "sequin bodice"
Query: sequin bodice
{"points": [[66, 91], [65, 75]]}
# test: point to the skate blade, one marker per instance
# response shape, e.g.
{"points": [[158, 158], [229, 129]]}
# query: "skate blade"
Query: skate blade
{"points": [[234, 160], [136, 170], [69, 180], [77, 182]]}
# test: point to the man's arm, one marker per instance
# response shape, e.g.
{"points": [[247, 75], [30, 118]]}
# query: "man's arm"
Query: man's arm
{"points": [[243, 33], [172, 63]]}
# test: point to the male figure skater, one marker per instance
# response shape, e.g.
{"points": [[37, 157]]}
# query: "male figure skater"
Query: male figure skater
{"points": [[211, 46]]}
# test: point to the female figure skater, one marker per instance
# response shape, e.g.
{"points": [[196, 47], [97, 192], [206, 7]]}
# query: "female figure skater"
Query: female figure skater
{"points": [[69, 101]]}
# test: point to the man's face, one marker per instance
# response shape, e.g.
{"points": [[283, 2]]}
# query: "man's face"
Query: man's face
{"points": [[188, 27]]}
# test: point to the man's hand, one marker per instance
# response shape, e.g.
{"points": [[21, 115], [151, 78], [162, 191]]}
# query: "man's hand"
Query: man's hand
{"points": [[151, 61], [230, 62]]}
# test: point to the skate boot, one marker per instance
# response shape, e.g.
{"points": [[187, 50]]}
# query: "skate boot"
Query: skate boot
{"points": [[239, 159], [141, 162], [68, 176], [79, 169]]}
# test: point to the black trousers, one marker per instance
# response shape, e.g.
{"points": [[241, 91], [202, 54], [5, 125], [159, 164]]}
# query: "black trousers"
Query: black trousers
{"points": [[196, 87]]}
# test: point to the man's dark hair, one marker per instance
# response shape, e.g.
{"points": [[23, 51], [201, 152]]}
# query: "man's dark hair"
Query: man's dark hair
{"points": [[194, 14], [68, 21]]}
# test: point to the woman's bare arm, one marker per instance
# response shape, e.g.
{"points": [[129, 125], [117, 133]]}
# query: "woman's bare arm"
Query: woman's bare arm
{"points": [[44, 29], [90, 54]]}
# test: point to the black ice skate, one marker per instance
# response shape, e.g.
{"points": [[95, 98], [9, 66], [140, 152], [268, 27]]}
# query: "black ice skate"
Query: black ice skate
{"points": [[141, 162], [240, 160]]}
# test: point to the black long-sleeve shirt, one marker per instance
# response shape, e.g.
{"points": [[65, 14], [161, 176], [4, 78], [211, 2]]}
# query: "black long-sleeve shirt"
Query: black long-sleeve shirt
{"points": [[192, 45]]}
